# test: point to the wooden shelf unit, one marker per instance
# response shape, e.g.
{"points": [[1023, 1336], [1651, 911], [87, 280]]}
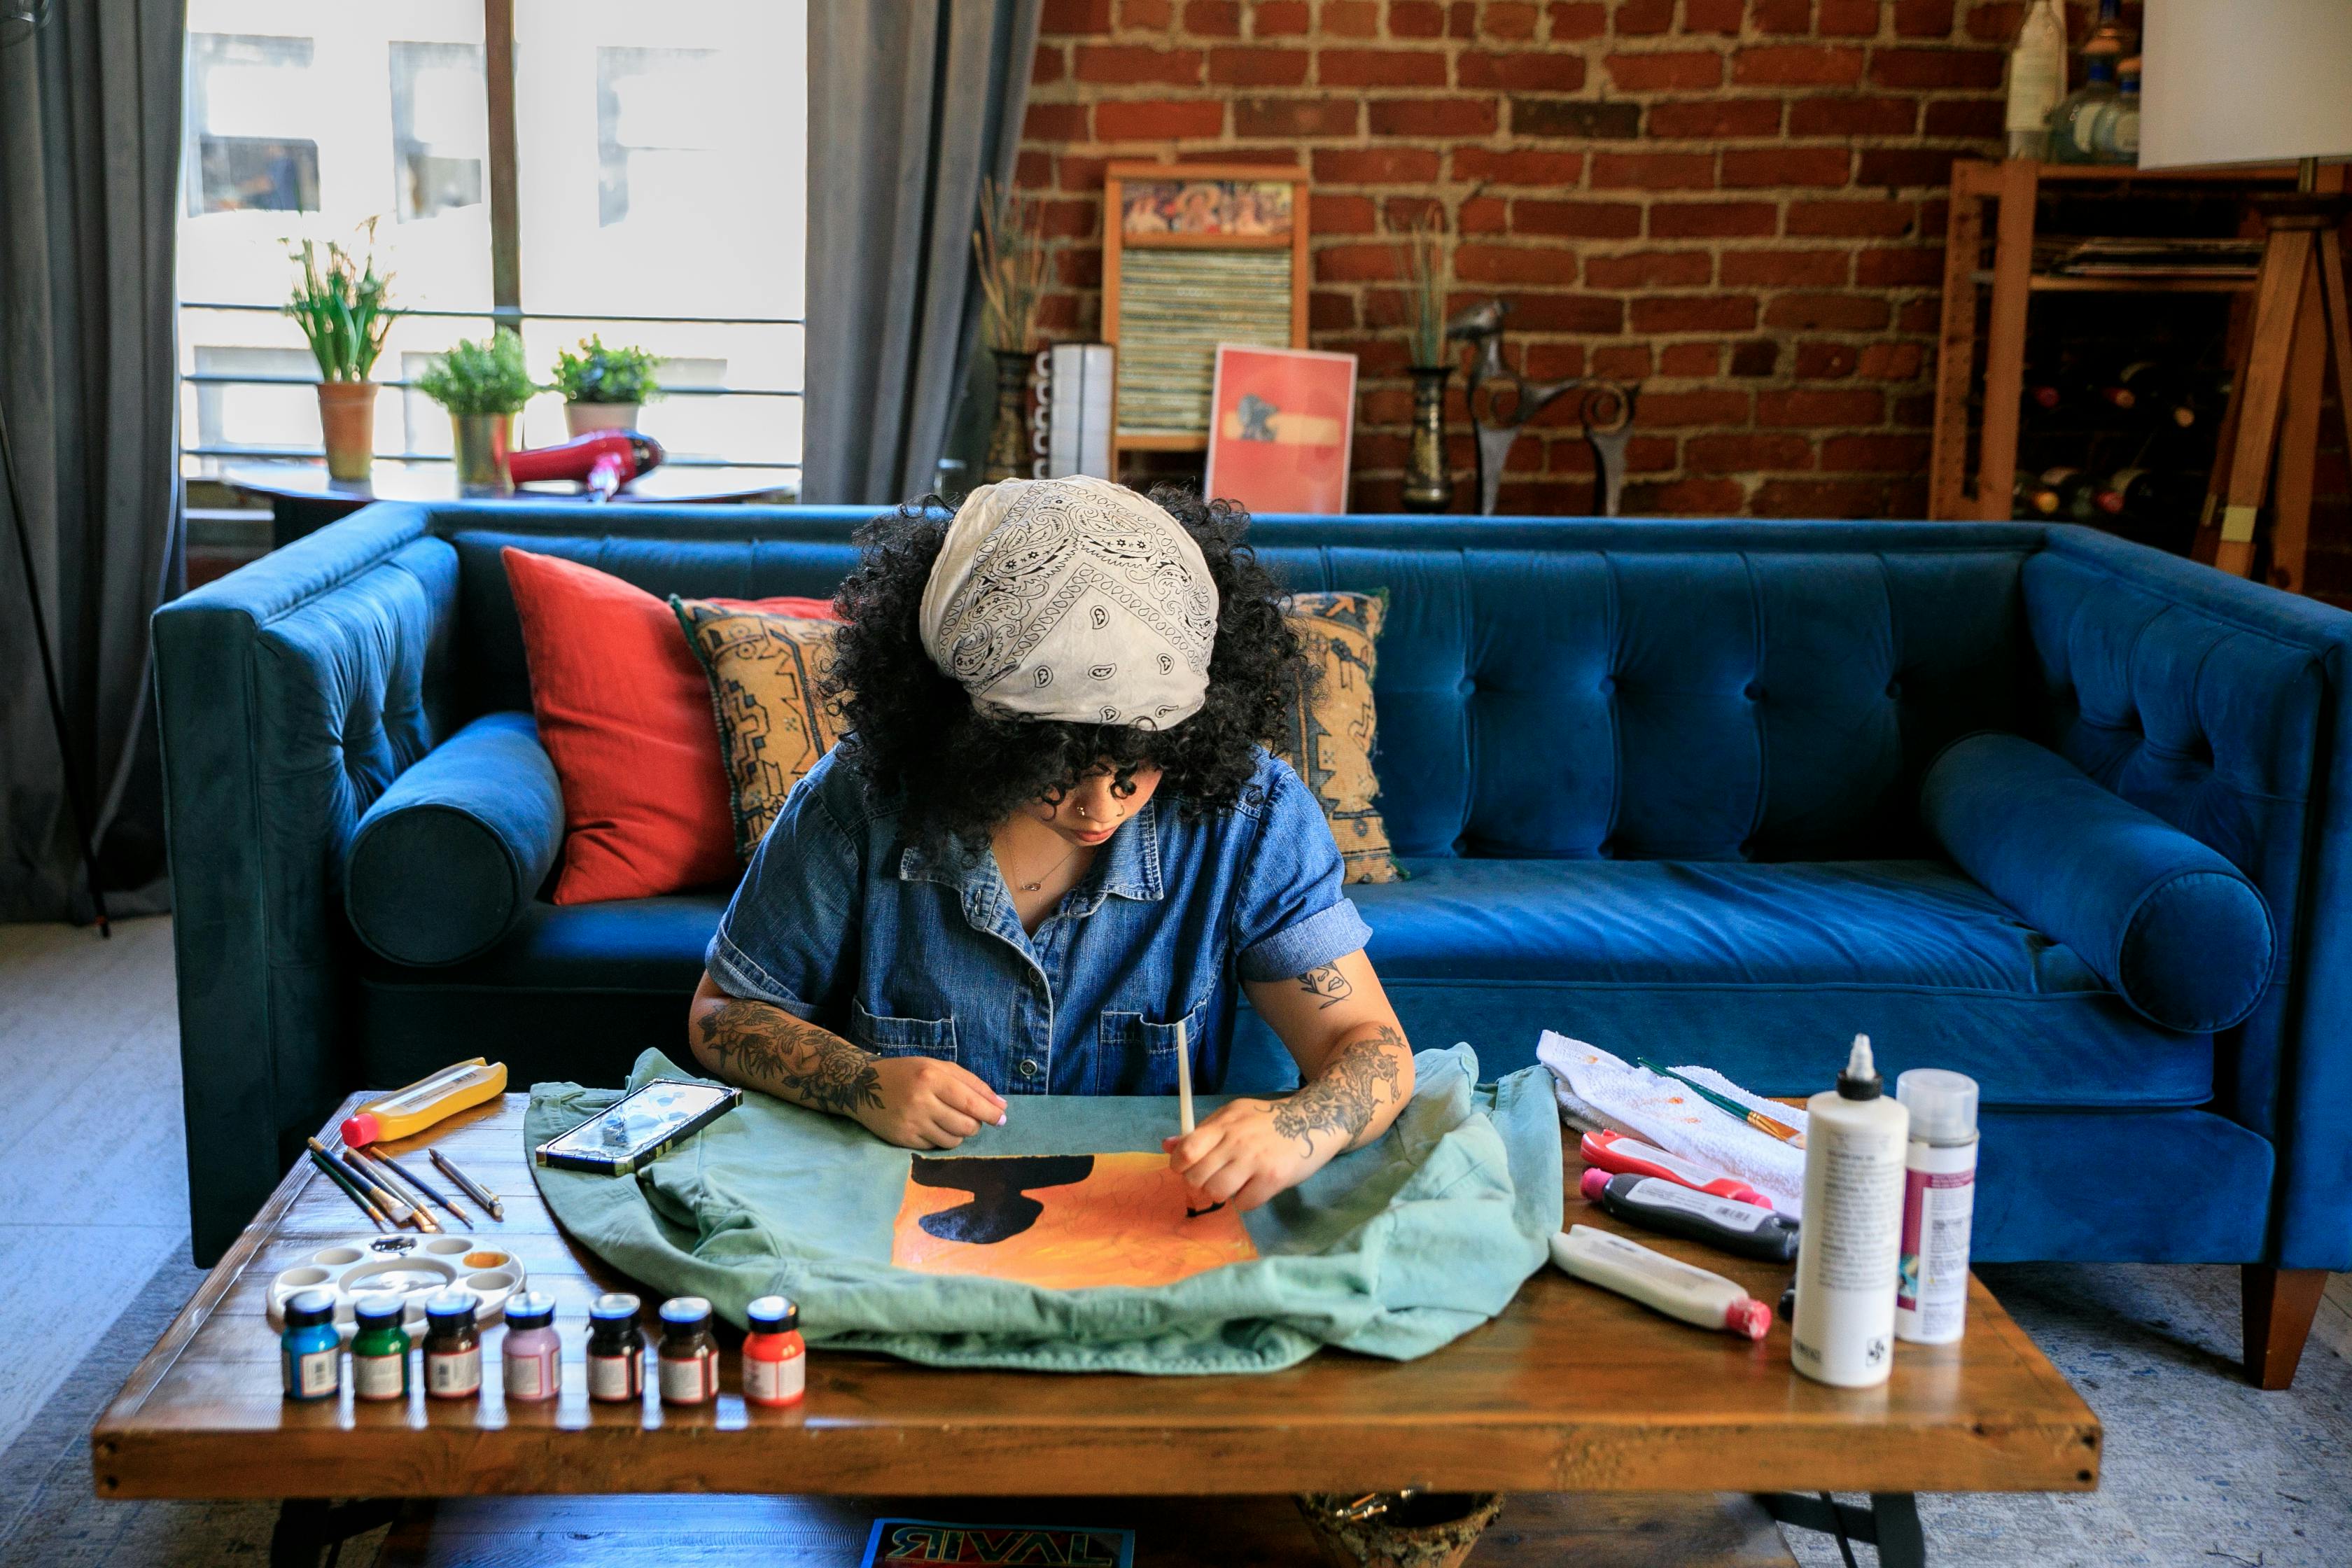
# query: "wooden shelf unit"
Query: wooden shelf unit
{"points": [[2013, 185]]}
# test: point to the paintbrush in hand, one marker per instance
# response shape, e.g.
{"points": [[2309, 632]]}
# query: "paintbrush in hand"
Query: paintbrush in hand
{"points": [[1184, 1103], [1730, 1106]]}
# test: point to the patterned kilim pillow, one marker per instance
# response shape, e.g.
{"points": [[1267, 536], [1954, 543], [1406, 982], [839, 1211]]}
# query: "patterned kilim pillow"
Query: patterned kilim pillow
{"points": [[1329, 739], [772, 726]]}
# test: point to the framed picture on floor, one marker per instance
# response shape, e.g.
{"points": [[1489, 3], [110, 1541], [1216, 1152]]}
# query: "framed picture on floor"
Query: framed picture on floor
{"points": [[1279, 428]]}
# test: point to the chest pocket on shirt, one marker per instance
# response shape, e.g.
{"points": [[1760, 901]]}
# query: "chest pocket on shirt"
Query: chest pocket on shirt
{"points": [[1137, 1056], [890, 1036]]}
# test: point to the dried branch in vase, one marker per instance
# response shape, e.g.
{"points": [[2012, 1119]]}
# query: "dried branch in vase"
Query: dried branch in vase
{"points": [[1428, 276], [1010, 245]]}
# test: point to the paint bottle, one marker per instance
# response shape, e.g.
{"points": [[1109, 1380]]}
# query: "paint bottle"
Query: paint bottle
{"points": [[310, 1351], [775, 1358], [616, 1350], [427, 1101], [380, 1349], [534, 1352], [1671, 1209], [1939, 1200], [453, 1346], [1663, 1284], [689, 1356], [1844, 1329]]}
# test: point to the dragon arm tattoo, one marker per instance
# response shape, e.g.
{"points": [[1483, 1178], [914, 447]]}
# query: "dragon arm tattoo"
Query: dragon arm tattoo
{"points": [[767, 1048], [1345, 1093]]}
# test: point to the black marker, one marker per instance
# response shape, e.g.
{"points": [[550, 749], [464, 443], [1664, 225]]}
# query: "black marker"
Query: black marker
{"points": [[1664, 1206]]}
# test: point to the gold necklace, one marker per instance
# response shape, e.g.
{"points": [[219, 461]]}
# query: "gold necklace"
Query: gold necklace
{"points": [[1040, 882]]}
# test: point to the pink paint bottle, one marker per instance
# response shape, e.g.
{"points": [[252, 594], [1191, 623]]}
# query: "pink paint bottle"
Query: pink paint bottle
{"points": [[534, 1351]]}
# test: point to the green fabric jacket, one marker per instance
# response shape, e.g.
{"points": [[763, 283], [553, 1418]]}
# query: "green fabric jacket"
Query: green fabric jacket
{"points": [[1393, 1250]]}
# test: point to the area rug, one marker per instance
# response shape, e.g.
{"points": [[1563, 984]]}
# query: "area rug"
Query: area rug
{"points": [[2200, 1471]]}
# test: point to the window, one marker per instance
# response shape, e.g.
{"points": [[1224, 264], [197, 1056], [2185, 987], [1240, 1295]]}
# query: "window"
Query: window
{"points": [[440, 130], [656, 170], [251, 101]]}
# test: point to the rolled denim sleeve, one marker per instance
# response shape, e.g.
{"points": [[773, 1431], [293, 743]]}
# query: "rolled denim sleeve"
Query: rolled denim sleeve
{"points": [[1289, 914], [789, 934]]}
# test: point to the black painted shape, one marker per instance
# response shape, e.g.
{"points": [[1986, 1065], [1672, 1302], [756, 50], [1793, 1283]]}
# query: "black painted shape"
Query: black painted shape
{"points": [[1000, 1208]]}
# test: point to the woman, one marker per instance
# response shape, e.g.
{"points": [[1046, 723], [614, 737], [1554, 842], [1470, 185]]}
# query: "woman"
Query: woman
{"points": [[1052, 844]]}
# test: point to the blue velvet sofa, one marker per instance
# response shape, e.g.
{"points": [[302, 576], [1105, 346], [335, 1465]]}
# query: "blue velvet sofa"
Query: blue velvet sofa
{"points": [[1686, 788]]}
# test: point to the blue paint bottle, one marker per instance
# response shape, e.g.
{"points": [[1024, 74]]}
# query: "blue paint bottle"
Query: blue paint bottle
{"points": [[309, 1352]]}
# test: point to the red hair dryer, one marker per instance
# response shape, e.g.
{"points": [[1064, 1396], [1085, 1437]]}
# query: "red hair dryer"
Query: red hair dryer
{"points": [[603, 461]]}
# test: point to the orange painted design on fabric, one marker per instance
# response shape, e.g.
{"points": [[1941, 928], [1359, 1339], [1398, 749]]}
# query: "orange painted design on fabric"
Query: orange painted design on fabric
{"points": [[1122, 1222]]}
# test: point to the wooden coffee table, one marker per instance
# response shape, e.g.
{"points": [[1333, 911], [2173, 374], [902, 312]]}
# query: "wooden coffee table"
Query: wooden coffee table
{"points": [[1570, 1390]]}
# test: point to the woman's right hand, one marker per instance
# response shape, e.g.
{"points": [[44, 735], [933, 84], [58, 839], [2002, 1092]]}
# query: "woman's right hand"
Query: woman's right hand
{"points": [[929, 1104]]}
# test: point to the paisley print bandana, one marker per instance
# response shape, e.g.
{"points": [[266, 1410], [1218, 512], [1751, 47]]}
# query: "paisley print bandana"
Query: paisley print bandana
{"points": [[1074, 599]]}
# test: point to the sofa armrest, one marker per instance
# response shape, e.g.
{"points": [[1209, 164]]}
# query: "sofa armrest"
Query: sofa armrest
{"points": [[2176, 929], [2225, 707], [288, 694], [444, 865]]}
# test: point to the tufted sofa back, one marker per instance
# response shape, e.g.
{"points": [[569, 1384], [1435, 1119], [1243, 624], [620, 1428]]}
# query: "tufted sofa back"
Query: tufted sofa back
{"points": [[1545, 689]]}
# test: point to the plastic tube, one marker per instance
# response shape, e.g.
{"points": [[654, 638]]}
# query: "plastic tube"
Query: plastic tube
{"points": [[1671, 1209], [1660, 1283], [1622, 1153], [424, 1102]]}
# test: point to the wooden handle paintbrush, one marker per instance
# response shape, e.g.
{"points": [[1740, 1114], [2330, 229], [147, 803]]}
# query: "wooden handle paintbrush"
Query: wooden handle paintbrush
{"points": [[1730, 1106], [1184, 1103]]}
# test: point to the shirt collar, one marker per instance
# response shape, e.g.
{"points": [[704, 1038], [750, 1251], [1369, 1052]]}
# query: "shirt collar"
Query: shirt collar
{"points": [[1129, 867]]}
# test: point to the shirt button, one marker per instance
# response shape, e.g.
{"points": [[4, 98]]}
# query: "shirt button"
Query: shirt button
{"points": [[1028, 1066]]}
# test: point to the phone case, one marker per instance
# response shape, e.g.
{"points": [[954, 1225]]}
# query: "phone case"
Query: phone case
{"points": [[639, 1128]]}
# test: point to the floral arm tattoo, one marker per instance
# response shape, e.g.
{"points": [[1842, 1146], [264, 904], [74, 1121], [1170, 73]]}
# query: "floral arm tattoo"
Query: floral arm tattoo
{"points": [[767, 1048], [1345, 1093], [1325, 980]]}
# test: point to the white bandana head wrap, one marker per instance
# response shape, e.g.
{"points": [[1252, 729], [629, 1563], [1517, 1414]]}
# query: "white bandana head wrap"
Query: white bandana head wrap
{"points": [[1074, 599]]}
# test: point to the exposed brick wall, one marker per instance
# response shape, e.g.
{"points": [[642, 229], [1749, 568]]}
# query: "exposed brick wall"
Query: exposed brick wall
{"points": [[1739, 203]]}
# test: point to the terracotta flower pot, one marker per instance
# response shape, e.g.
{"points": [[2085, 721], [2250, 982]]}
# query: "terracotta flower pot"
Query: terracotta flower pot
{"points": [[347, 420], [484, 441], [582, 418]]}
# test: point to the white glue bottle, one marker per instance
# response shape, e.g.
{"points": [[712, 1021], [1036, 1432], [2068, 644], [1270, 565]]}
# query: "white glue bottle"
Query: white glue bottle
{"points": [[1855, 1136], [1939, 1198]]}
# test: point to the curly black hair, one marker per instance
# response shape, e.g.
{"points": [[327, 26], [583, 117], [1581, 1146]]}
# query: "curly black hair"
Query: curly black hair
{"points": [[912, 732]]}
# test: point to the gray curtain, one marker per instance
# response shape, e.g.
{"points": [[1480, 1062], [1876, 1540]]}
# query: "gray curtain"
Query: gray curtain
{"points": [[910, 103], [89, 140]]}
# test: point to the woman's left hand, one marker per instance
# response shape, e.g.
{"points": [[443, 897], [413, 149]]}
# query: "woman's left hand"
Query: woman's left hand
{"points": [[1238, 1157]]}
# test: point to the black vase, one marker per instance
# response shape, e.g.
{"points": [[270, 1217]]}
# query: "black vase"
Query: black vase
{"points": [[1428, 482]]}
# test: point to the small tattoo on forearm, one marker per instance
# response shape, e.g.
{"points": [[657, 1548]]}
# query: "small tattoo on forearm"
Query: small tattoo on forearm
{"points": [[1325, 980], [769, 1048], [1346, 1094]]}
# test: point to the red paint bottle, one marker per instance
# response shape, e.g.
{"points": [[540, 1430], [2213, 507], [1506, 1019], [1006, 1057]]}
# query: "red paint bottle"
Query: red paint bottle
{"points": [[775, 1357]]}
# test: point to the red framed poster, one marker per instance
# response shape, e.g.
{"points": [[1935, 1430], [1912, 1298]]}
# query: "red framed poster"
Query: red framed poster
{"points": [[1280, 421]]}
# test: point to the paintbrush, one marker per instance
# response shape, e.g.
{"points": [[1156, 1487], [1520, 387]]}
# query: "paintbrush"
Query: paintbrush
{"points": [[420, 1216], [1730, 1106], [1184, 1103], [350, 1189], [414, 1179], [399, 1213], [466, 1184]]}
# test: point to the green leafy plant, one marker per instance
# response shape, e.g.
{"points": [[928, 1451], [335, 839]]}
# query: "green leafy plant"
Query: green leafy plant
{"points": [[341, 309], [480, 377], [1428, 276], [599, 374], [1010, 245]]}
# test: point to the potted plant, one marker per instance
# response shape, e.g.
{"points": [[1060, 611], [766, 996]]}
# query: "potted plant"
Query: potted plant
{"points": [[604, 388], [341, 309], [483, 384], [1010, 245], [1428, 477]]}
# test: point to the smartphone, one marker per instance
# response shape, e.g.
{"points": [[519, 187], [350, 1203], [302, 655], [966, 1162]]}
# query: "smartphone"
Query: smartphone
{"points": [[640, 1127]]}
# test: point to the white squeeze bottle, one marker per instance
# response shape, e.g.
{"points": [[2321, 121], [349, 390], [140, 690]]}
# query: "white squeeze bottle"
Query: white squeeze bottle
{"points": [[2037, 79], [1940, 1199], [1855, 1137]]}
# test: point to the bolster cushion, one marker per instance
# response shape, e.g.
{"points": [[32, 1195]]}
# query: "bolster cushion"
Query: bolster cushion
{"points": [[447, 861], [2178, 931]]}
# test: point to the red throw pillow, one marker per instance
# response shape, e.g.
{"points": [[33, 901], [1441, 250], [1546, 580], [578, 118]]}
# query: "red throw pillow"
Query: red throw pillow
{"points": [[624, 711]]}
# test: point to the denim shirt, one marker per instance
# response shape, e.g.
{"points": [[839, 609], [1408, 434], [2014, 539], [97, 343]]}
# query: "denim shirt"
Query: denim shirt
{"points": [[839, 921]]}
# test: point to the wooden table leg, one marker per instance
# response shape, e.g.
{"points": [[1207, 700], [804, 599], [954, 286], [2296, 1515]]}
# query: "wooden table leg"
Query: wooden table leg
{"points": [[2278, 1306]]}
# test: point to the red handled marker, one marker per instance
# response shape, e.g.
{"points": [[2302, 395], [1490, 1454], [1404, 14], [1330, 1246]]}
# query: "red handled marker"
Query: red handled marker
{"points": [[1628, 1155]]}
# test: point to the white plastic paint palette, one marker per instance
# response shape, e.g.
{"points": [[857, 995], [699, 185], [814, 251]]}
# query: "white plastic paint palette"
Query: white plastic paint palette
{"points": [[414, 1268]]}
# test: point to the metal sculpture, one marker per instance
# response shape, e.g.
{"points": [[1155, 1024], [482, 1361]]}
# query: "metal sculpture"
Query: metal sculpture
{"points": [[1502, 401]]}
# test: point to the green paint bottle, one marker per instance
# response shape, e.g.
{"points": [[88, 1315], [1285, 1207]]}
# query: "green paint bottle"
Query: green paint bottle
{"points": [[380, 1349]]}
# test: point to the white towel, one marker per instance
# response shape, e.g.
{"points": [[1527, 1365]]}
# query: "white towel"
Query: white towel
{"points": [[1597, 1090]]}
